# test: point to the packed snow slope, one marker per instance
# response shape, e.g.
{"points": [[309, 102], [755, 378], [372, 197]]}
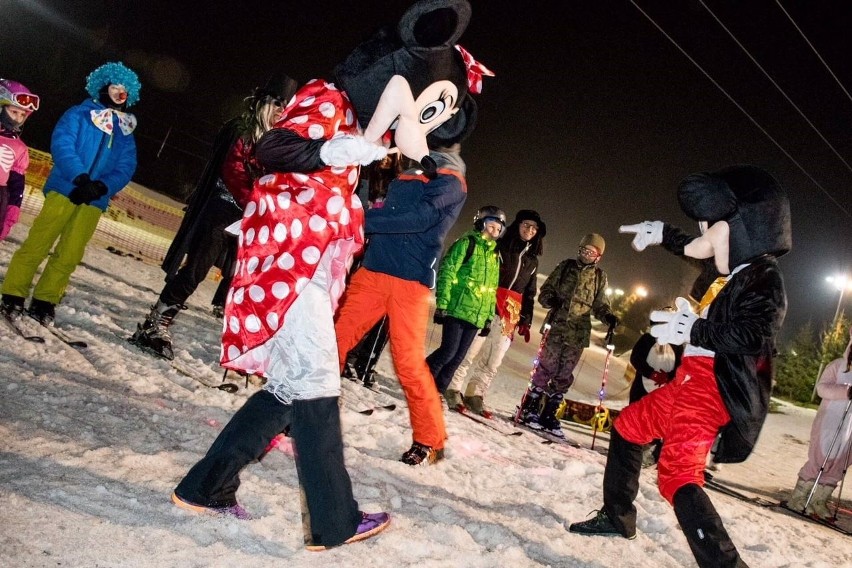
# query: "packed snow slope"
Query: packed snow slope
{"points": [[93, 442]]}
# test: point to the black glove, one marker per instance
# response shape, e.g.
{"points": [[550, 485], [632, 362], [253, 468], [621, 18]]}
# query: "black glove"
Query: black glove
{"points": [[81, 180], [440, 316], [611, 320], [485, 330], [87, 192]]}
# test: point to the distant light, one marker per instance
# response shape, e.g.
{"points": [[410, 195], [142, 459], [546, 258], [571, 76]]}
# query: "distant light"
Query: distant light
{"points": [[841, 282], [641, 291], [608, 291], [619, 292]]}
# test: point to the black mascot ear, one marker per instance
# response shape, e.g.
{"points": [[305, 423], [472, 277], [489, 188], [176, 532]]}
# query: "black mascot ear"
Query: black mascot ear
{"points": [[457, 128], [706, 197], [434, 23]]}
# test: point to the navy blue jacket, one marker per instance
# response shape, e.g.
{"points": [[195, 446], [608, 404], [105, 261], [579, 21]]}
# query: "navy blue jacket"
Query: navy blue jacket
{"points": [[407, 233]]}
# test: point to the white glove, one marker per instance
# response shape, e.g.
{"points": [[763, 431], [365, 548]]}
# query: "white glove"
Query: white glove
{"points": [[348, 150], [673, 327], [647, 233]]}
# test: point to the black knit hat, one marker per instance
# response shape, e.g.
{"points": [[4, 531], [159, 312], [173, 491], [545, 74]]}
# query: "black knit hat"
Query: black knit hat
{"points": [[531, 215]]}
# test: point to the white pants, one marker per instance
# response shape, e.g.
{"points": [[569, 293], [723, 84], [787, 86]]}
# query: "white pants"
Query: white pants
{"points": [[485, 354]]}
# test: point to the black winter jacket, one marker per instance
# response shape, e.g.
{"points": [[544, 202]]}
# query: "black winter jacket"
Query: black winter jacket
{"points": [[740, 328], [518, 270]]}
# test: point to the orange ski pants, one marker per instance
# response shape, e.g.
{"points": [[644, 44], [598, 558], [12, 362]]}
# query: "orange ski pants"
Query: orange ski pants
{"points": [[372, 295]]}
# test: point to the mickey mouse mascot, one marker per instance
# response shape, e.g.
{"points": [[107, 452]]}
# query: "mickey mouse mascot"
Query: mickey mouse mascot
{"points": [[723, 383]]}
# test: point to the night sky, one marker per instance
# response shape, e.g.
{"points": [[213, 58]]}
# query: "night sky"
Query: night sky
{"points": [[593, 118]]}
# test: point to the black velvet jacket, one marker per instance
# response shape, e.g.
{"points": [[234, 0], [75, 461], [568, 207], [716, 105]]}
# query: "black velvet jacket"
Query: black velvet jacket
{"points": [[740, 328]]}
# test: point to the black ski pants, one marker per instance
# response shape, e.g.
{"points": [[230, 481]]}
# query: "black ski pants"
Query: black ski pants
{"points": [[699, 521], [314, 425], [208, 243]]}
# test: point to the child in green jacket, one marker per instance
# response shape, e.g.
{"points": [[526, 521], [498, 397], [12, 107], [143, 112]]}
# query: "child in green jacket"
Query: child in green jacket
{"points": [[466, 292]]}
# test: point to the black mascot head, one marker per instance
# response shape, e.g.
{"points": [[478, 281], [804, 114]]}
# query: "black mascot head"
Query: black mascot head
{"points": [[746, 211]]}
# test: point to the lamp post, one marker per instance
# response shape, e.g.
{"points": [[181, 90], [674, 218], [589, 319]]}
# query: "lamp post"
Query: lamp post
{"points": [[842, 283]]}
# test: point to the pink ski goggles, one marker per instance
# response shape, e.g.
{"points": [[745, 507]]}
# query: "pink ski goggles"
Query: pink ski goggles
{"points": [[27, 101]]}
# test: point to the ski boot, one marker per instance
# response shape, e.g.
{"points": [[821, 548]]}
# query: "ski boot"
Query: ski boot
{"points": [[43, 312], [419, 454], [12, 307], [530, 406], [153, 334], [548, 422], [369, 379], [476, 405], [454, 400]]}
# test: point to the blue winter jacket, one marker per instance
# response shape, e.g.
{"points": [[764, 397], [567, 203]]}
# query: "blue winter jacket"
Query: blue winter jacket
{"points": [[79, 147], [407, 233]]}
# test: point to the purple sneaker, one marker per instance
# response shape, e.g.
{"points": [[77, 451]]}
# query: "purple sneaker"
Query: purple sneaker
{"points": [[236, 510], [371, 524]]}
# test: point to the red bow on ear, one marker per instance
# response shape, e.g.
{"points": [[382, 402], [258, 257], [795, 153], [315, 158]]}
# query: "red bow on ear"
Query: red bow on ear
{"points": [[475, 71]]}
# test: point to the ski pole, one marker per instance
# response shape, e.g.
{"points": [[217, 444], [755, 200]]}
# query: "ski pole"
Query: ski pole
{"points": [[545, 331], [843, 478], [827, 455], [610, 347]]}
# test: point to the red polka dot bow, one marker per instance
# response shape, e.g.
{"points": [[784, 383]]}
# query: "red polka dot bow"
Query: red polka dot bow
{"points": [[475, 71]]}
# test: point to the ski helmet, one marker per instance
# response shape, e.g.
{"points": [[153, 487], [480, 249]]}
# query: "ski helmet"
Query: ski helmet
{"points": [[17, 95], [492, 213]]}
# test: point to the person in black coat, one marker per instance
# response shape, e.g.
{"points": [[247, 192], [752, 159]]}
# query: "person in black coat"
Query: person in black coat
{"points": [[218, 201]]}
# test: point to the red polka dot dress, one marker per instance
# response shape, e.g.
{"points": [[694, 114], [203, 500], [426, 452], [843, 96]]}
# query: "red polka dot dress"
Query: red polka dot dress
{"points": [[292, 222]]}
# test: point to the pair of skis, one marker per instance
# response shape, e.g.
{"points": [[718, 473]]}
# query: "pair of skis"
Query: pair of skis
{"points": [[779, 506], [60, 334]]}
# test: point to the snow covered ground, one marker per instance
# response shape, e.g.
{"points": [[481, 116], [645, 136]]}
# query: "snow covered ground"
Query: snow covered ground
{"points": [[93, 442]]}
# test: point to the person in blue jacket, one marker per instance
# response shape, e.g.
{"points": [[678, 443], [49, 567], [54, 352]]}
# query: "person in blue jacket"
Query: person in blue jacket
{"points": [[94, 157]]}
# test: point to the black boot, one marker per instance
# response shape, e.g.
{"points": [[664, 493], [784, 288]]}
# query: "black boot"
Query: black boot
{"points": [[548, 421], [621, 482], [153, 334], [707, 537], [531, 405], [42, 311], [12, 307]]}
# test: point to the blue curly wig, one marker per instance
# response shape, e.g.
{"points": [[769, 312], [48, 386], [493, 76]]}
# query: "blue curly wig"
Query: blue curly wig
{"points": [[114, 74]]}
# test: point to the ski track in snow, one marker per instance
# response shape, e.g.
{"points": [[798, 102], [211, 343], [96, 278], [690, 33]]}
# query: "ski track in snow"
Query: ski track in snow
{"points": [[94, 441]]}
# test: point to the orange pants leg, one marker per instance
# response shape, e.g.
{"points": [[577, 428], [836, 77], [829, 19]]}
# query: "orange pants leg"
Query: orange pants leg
{"points": [[363, 304], [408, 315]]}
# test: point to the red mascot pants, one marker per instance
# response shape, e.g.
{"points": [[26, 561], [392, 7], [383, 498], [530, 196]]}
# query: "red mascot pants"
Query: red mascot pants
{"points": [[686, 415], [370, 296]]}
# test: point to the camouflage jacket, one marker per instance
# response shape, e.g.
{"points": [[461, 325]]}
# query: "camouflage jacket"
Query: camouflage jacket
{"points": [[574, 292]]}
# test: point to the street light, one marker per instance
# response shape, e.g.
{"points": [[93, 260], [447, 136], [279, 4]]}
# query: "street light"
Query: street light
{"points": [[842, 283], [641, 292]]}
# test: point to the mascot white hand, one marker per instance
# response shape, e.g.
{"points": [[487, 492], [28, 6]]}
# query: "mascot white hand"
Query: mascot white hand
{"points": [[348, 150], [647, 233], [673, 327]]}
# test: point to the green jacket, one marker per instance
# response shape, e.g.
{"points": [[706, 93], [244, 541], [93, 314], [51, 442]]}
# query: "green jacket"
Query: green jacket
{"points": [[467, 290], [574, 292]]}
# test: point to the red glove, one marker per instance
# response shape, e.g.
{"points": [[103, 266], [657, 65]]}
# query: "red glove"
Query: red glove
{"points": [[524, 331], [660, 378]]}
